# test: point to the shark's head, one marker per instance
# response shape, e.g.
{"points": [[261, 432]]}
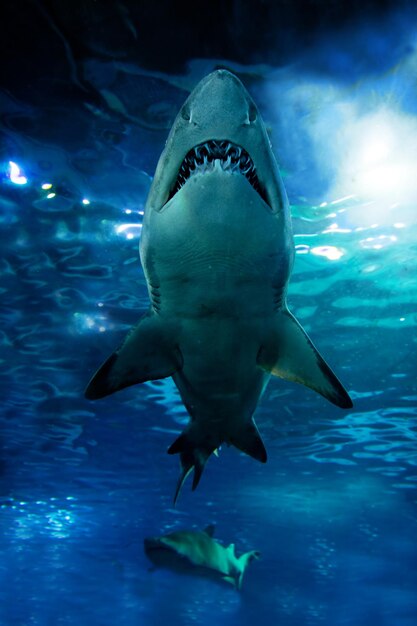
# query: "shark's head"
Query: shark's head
{"points": [[219, 126]]}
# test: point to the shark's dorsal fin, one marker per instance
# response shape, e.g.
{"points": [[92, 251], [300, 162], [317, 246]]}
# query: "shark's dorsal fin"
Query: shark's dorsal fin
{"points": [[289, 353], [209, 530], [231, 548], [148, 352]]}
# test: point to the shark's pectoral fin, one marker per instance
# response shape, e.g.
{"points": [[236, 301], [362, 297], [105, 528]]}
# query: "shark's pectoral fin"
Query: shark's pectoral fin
{"points": [[149, 352], [249, 441], [290, 354]]}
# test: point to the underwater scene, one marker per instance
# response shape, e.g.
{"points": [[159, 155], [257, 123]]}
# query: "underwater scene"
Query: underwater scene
{"points": [[190, 173]]}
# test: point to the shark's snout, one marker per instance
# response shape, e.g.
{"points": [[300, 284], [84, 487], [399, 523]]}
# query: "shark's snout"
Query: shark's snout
{"points": [[221, 96]]}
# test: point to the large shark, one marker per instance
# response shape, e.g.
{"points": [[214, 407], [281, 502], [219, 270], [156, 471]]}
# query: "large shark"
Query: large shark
{"points": [[196, 552], [217, 252]]}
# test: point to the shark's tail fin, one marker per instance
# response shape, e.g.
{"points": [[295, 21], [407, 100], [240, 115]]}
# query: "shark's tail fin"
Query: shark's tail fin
{"points": [[244, 561], [193, 456]]}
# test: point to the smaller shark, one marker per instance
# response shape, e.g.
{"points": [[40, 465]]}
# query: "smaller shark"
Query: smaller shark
{"points": [[196, 552]]}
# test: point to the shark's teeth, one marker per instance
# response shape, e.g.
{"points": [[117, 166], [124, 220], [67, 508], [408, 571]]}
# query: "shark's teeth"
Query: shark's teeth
{"points": [[213, 154]]}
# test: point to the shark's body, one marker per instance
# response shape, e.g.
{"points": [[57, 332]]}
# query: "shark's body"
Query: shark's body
{"points": [[196, 552], [217, 252]]}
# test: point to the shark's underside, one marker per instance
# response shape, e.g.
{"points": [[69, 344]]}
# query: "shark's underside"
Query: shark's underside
{"points": [[217, 252]]}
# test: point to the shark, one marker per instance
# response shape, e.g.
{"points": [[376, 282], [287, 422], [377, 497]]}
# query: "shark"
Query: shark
{"points": [[217, 252], [196, 552]]}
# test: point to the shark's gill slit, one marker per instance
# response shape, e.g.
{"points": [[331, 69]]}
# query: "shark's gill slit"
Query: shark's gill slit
{"points": [[232, 158]]}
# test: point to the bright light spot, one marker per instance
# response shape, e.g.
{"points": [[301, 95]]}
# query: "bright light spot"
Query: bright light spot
{"points": [[47, 186], [51, 195], [379, 160], [377, 147], [399, 225], [16, 175], [86, 201], [323, 204], [141, 212], [339, 200], [130, 230], [333, 228], [128, 211], [302, 249], [89, 322], [330, 252], [402, 319], [376, 243], [85, 322], [123, 227], [100, 304]]}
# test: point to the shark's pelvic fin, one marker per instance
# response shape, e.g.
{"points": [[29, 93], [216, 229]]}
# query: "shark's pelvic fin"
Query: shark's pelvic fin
{"points": [[249, 441], [290, 354], [232, 580], [149, 352]]}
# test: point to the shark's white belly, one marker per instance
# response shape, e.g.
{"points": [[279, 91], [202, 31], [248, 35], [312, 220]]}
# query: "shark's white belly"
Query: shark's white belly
{"points": [[215, 259], [216, 251]]}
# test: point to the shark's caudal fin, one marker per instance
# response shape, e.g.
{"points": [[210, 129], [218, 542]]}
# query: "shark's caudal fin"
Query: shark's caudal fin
{"points": [[244, 561], [149, 352], [194, 453], [193, 456], [290, 354]]}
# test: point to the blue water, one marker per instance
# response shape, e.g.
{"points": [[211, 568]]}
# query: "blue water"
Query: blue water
{"points": [[334, 511]]}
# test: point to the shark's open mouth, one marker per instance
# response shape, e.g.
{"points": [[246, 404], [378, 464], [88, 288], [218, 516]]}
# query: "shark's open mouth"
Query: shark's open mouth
{"points": [[224, 154]]}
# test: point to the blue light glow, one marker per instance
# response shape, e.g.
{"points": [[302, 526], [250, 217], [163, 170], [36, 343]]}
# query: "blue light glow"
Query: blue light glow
{"points": [[16, 175]]}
